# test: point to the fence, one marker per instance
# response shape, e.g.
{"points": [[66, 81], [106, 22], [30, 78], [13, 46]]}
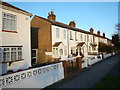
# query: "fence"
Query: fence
{"points": [[34, 78], [90, 60]]}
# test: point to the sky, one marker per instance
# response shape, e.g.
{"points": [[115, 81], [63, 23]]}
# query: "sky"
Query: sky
{"points": [[101, 16]]}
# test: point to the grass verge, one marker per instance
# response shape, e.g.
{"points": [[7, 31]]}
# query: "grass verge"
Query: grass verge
{"points": [[109, 82]]}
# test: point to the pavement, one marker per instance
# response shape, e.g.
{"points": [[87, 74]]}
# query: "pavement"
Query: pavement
{"points": [[89, 77]]}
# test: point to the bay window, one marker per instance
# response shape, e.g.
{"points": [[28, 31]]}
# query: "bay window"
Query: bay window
{"points": [[10, 54]]}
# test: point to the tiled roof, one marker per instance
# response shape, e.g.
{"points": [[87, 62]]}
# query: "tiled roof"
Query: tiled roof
{"points": [[9, 5], [69, 27], [56, 44]]}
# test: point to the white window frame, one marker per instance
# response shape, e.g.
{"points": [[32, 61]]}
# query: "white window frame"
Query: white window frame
{"points": [[1, 54], [61, 51], [10, 51], [57, 33], [85, 38], [81, 37], [76, 38], [64, 34], [55, 50], [6, 51], [19, 51], [9, 22], [14, 54], [71, 37]]}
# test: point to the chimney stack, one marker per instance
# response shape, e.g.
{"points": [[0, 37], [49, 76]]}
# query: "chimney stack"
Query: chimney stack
{"points": [[98, 33], [91, 30], [104, 35], [51, 16], [72, 24]]}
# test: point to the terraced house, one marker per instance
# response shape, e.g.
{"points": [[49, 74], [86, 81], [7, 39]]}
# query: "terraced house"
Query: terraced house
{"points": [[58, 40], [15, 48]]}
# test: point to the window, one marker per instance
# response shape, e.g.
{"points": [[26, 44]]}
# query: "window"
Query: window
{"points": [[64, 33], [71, 35], [6, 54], [57, 33], [9, 22], [61, 51], [81, 37], [88, 38], [85, 37], [91, 38], [65, 51], [56, 50], [13, 54], [76, 36], [34, 55], [20, 53], [10, 54], [94, 48], [53, 50], [1, 55], [73, 50]]}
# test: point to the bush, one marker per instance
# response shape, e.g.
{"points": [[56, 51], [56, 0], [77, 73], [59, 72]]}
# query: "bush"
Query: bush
{"points": [[105, 48]]}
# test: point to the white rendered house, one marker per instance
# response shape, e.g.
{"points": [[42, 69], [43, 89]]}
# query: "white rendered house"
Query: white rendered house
{"points": [[15, 48], [60, 40]]}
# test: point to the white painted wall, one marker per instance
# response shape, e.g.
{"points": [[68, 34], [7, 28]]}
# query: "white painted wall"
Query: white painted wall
{"points": [[47, 75], [60, 39], [21, 38]]}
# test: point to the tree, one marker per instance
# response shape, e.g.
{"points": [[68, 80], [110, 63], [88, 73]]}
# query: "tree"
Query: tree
{"points": [[115, 40], [105, 48]]}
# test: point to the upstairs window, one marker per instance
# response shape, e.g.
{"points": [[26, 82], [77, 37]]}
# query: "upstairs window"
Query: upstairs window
{"points": [[71, 35], [76, 36], [91, 39], [8, 22], [85, 38], [64, 33], [57, 33], [81, 38]]}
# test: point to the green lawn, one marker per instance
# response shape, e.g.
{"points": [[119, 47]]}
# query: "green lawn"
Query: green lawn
{"points": [[109, 82]]}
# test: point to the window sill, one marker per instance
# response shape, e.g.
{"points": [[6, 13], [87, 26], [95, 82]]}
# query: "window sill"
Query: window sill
{"points": [[9, 31]]}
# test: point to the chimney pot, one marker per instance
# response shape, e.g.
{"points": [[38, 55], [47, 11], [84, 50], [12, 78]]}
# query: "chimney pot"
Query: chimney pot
{"points": [[72, 24], [91, 30], [98, 33], [51, 16], [104, 35]]}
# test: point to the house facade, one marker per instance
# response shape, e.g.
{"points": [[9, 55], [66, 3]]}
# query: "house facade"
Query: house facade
{"points": [[59, 40], [15, 46]]}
